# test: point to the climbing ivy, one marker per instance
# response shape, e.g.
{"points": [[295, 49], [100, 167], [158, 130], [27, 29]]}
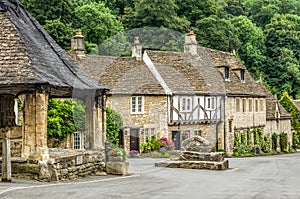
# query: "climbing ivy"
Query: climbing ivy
{"points": [[60, 120], [113, 125]]}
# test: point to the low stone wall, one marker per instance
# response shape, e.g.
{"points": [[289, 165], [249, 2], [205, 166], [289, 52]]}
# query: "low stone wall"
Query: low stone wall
{"points": [[223, 165], [62, 165]]}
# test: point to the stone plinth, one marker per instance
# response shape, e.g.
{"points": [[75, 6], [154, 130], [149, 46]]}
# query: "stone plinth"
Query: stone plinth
{"points": [[117, 168], [223, 165], [199, 156]]}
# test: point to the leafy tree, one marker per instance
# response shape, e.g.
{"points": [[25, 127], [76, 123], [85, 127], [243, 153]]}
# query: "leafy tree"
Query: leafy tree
{"points": [[195, 10], [155, 13], [261, 11], [113, 125], [217, 33], [60, 32], [252, 49], [287, 102], [97, 22]]}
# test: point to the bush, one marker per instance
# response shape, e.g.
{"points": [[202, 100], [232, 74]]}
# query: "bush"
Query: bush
{"points": [[152, 145], [167, 144], [266, 144], [296, 140], [283, 142], [274, 141]]}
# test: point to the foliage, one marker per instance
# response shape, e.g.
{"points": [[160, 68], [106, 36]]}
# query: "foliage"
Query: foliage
{"points": [[152, 145], [217, 33], [283, 142], [274, 141], [156, 14], [97, 22], [287, 102], [60, 120], [113, 125], [60, 32], [296, 140]]}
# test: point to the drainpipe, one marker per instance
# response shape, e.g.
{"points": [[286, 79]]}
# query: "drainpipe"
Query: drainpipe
{"points": [[224, 101]]}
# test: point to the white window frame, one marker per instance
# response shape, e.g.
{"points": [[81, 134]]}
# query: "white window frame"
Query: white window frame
{"points": [[186, 104], [137, 105], [78, 140], [210, 103]]}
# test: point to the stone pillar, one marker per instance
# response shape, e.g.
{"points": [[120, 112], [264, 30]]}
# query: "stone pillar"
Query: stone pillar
{"points": [[89, 123], [6, 161], [101, 114], [35, 126]]}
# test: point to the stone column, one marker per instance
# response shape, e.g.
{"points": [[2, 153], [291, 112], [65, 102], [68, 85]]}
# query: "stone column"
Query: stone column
{"points": [[35, 126], [101, 115], [89, 123], [6, 161]]}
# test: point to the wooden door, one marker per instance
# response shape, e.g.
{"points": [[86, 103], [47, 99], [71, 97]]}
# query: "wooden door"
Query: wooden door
{"points": [[134, 139], [121, 139], [176, 139]]}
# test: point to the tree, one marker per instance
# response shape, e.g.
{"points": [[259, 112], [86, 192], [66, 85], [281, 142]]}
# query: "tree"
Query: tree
{"points": [[217, 33], [113, 125], [156, 13], [97, 22], [60, 32], [195, 10], [287, 102], [252, 49]]}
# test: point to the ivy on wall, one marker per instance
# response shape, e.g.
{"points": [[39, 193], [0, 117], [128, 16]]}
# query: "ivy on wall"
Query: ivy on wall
{"points": [[114, 123]]}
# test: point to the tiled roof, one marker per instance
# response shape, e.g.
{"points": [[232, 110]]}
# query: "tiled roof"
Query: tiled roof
{"points": [[29, 56], [234, 86], [297, 103], [123, 75]]}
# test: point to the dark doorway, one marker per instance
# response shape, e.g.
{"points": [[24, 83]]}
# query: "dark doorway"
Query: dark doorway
{"points": [[176, 139], [121, 138], [134, 140]]}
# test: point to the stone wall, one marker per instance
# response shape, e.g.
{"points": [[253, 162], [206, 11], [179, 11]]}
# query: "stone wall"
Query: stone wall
{"points": [[62, 165], [280, 126], [15, 135], [154, 116], [242, 117]]}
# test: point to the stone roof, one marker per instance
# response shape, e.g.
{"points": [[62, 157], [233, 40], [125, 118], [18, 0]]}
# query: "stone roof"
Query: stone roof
{"points": [[29, 56], [234, 86], [123, 75], [297, 103]]}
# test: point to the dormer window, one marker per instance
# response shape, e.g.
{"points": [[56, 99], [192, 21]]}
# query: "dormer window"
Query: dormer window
{"points": [[226, 73], [242, 75]]}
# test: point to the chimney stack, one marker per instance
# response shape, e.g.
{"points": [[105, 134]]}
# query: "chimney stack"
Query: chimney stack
{"points": [[190, 43], [77, 44], [137, 49]]}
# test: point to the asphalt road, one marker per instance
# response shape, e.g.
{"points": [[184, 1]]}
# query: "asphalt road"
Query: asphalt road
{"points": [[258, 177]]}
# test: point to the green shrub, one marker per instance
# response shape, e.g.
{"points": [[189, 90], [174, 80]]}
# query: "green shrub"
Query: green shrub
{"points": [[266, 144], [283, 142], [274, 141], [113, 124], [152, 145]]}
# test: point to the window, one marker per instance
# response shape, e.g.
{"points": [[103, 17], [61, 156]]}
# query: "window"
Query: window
{"points": [[153, 132], [250, 105], [79, 140], [256, 105], [147, 136], [149, 133], [244, 105], [137, 104], [230, 125], [226, 73], [237, 105], [242, 75], [186, 104], [197, 133], [210, 103], [261, 105]]}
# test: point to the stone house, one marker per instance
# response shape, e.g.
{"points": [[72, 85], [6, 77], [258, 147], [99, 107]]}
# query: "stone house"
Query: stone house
{"points": [[199, 91], [33, 68]]}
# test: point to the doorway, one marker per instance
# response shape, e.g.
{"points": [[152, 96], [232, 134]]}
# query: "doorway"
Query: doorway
{"points": [[134, 139]]}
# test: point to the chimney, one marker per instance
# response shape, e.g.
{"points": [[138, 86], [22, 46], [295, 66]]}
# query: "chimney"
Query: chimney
{"points": [[137, 49], [190, 43], [77, 44]]}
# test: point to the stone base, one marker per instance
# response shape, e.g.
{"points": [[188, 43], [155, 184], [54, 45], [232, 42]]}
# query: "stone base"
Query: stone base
{"points": [[117, 168], [223, 165], [62, 165], [199, 156]]}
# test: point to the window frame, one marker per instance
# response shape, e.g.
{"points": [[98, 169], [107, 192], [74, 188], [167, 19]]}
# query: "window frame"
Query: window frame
{"points": [[137, 107], [210, 103], [184, 105], [226, 73], [237, 105], [242, 75]]}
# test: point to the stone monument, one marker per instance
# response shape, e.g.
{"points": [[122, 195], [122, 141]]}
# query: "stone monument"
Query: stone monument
{"points": [[196, 153]]}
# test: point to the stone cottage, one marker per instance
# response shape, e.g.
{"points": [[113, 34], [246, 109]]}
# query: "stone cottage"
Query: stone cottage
{"points": [[199, 91], [33, 68]]}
